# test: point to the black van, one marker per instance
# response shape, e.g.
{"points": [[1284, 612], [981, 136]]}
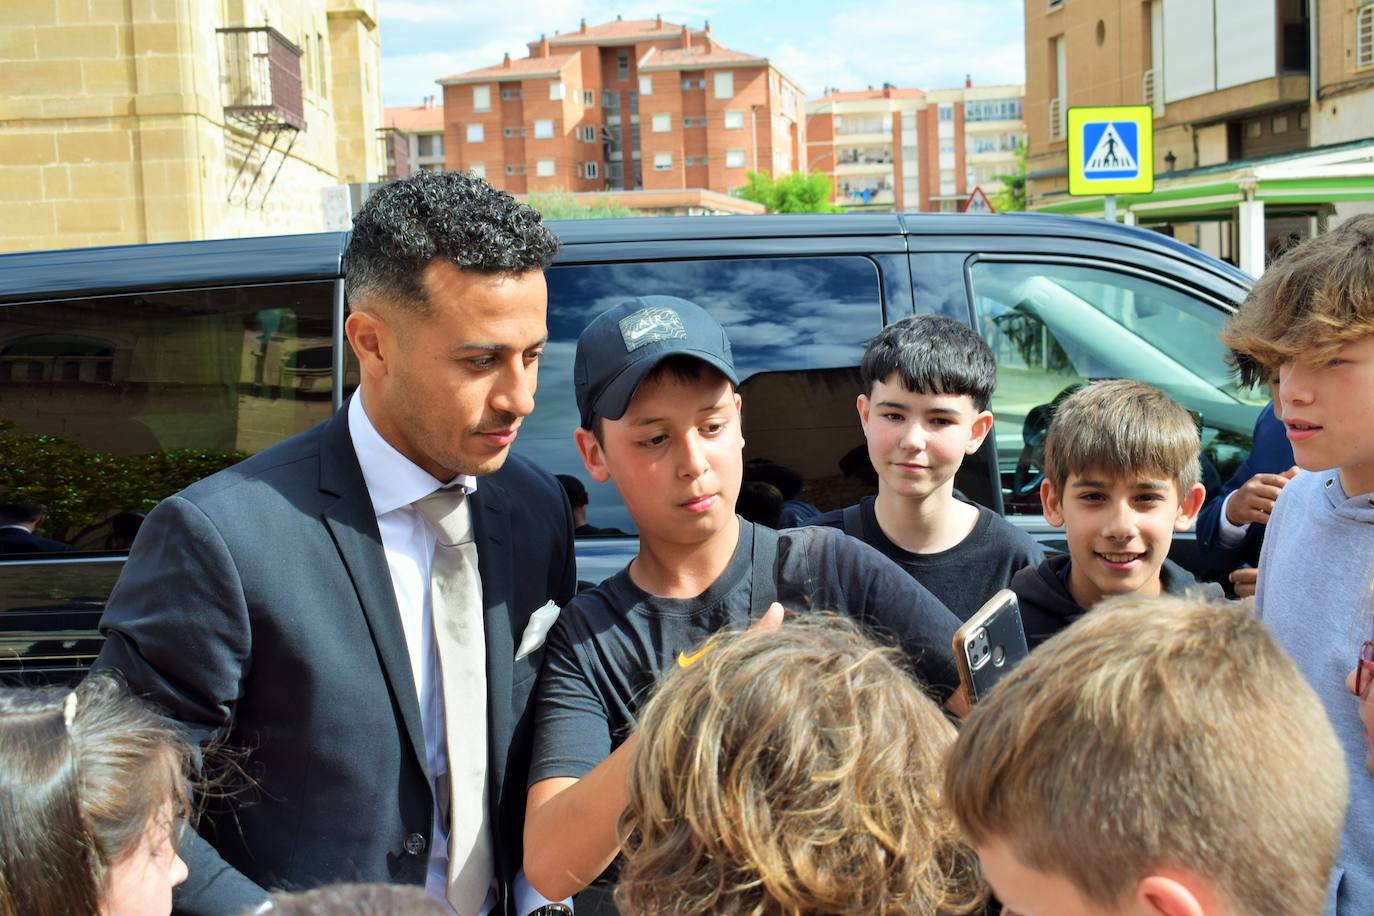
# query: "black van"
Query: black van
{"points": [[127, 373]]}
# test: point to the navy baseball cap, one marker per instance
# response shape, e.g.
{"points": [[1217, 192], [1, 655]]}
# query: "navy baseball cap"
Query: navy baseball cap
{"points": [[622, 344]]}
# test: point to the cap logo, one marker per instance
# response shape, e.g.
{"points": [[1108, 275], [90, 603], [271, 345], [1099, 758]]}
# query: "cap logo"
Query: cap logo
{"points": [[650, 325]]}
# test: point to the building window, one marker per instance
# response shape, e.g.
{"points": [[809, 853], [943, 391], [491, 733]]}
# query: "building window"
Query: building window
{"points": [[646, 85], [544, 168], [725, 85], [555, 90], [734, 159], [481, 98], [688, 161], [479, 169], [516, 169], [543, 129], [588, 133], [475, 134], [946, 111], [993, 110], [590, 170], [663, 162], [1364, 35], [509, 95], [734, 120], [610, 100], [589, 97], [662, 123], [512, 131], [693, 81], [622, 64]]}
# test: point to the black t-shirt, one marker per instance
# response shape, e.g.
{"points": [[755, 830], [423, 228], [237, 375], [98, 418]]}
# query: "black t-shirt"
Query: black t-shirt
{"points": [[965, 575], [606, 650]]}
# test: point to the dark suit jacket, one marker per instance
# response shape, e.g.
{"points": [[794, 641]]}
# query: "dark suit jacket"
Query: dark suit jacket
{"points": [[257, 603], [19, 540], [1271, 454]]}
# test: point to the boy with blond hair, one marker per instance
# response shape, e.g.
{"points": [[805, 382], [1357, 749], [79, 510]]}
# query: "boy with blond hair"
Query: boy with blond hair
{"points": [[1161, 756], [1121, 476], [1310, 319]]}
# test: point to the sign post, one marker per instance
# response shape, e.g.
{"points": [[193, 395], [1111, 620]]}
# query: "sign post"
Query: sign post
{"points": [[1111, 152]]}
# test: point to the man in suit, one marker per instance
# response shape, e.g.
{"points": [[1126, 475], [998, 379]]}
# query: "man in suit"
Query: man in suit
{"points": [[18, 523], [286, 603], [1230, 528]]}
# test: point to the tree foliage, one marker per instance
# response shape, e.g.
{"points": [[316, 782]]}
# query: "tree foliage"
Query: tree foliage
{"points": [[82, 488], [562, 205], [798, 192], [1011, 196]]}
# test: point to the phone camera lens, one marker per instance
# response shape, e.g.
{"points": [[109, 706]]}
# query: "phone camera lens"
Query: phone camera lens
{"points": [[999, 655]]}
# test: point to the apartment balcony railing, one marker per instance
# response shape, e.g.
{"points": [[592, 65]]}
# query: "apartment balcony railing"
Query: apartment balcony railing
{"points": [[1056, 119], [261, 76], [1149, 92]]}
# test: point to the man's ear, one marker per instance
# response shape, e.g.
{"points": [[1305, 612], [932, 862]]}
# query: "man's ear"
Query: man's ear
{"points": [[1189, 506], [1173, 894], [982, 425], [593, 455], [863, 406], [1049, 501], [370, 338]]}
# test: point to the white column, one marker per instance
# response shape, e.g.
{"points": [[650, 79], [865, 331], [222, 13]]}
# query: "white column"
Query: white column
{"points": [[1128, 218], [1251, 219]]}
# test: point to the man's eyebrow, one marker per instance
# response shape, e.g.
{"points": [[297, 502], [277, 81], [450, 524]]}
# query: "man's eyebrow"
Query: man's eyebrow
{"points": [[495, 347]]}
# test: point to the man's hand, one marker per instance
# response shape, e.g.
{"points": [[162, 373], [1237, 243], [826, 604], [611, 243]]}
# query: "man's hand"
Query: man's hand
{"points": [[1254, 501], [1244, 580]]}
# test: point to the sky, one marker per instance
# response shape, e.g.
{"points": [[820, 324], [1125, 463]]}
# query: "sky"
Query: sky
{"points": [[928, 44]]}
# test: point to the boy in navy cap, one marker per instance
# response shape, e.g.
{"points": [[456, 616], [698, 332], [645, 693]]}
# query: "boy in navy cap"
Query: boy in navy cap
{"points": [[660, 417]]}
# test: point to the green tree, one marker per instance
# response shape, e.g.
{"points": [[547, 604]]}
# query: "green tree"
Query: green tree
{"points": [[1012, 195], [795, 193], [562, 205]]}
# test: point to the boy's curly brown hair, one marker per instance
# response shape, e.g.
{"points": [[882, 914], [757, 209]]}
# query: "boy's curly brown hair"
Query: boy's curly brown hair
{"points": [[793, 771], [1313, 300]]}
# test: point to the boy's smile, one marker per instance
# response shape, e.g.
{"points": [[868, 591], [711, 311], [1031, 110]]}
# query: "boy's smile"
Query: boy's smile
{"points": [[1328, 410], [1119, 530], [916, 442]]}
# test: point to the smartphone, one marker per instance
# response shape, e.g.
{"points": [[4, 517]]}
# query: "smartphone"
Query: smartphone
{"points": [[990, 644]]}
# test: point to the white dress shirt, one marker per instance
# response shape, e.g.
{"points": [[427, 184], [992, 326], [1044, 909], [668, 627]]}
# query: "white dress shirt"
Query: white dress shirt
{"points": [[394, 483]]}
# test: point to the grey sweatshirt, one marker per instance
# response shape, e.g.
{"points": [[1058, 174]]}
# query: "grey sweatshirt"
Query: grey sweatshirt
{"points": [[1314, 582]]}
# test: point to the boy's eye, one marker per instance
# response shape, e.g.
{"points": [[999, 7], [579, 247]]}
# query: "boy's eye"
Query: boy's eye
{"points": [[712, 429], [894, 417], [653, 441]]}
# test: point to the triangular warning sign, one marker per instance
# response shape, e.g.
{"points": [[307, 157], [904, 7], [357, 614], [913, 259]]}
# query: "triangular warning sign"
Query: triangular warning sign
{"points": [[978, 203], [1110, 154]]}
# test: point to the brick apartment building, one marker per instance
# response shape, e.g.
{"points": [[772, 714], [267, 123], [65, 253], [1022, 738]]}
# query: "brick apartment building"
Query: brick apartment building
{"points": [[909, 149], [418, 137], [625, 106]]}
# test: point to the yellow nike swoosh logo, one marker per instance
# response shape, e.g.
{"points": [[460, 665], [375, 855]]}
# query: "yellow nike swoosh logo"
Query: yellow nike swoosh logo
{"points": [[686, 661]]}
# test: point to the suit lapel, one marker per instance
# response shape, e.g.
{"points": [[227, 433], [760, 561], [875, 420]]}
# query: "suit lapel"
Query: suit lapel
{"points": [[491, 529], [353, 525]]}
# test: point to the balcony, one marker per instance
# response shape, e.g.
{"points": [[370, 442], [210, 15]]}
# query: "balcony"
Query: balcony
{"points": [[261, 78], [1057, 128], [1150, 94]]}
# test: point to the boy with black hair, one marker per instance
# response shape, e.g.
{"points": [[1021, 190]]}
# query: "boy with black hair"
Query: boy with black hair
{"points": [[1122, 474], [927, 383], [660, 417]]}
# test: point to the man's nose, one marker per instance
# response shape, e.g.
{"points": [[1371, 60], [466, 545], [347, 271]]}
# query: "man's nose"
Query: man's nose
{"points": [[514, 394]]}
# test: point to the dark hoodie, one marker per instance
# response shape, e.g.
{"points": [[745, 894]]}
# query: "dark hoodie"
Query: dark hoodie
{"points": [[1047, 607]]}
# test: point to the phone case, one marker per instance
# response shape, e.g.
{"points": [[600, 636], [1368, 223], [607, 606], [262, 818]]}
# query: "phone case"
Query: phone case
{"points": [[990, 644]]}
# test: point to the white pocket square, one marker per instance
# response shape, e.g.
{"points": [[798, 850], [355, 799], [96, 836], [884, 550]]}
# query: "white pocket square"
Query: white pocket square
{"points": [[537, 629]]}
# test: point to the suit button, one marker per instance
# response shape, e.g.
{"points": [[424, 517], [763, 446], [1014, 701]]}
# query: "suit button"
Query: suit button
{"points": [[415, 844]]}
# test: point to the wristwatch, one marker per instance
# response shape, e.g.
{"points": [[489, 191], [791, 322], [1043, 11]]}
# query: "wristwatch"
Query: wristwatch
{"points": [[553, 909]]}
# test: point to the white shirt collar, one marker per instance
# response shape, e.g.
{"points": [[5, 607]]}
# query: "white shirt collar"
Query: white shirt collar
{"points": [[393, 480]]}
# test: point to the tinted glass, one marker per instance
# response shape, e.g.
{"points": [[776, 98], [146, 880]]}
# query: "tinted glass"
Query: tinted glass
{"points": [[107, 405], [798, 328], [1055, 326]]}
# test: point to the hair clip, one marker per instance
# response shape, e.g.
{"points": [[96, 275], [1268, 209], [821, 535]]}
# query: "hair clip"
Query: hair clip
{"points": [[69, 709]]}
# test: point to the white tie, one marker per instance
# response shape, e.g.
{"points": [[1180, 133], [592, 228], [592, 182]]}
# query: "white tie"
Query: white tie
{"points": [[456, 598]]}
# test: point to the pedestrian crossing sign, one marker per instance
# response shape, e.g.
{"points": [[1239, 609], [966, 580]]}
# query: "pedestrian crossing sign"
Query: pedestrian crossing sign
{"points": [[1111, 150]]}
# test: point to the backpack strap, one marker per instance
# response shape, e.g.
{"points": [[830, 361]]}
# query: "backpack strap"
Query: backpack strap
{"points": [[763, 586], [854, 521]]}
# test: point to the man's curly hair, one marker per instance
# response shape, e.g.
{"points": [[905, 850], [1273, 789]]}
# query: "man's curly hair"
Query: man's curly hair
{"points": [[788, 772], [451, 215]]}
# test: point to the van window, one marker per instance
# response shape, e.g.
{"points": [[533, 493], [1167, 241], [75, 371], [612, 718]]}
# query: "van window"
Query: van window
{"points": [[1056, 326], [109, 404], [797, 326]]}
